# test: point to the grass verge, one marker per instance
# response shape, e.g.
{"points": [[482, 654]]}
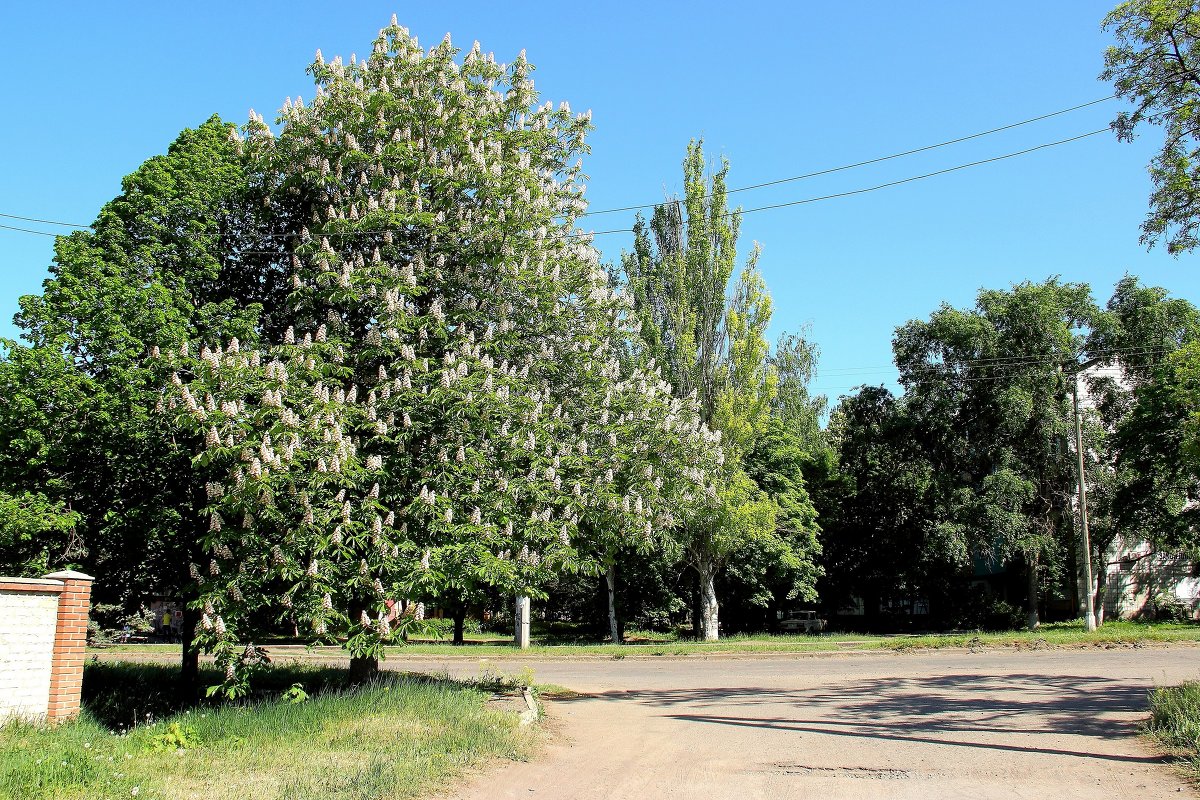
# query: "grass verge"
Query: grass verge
{"points": [[399, 737], [1175, 724], [1059, 634]]}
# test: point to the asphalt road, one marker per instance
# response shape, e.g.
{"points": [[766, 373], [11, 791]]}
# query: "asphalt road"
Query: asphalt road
{"points": [[946, 724]]}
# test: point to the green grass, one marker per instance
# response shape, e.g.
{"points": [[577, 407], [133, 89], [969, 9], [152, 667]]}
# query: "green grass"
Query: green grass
{"points": [[1061, 634], [1175, 723], [483, 646], [399, 737]]}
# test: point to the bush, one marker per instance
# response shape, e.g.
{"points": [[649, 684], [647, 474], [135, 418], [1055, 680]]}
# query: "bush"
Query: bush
{"points": [[1166, 607], [125, 695]]}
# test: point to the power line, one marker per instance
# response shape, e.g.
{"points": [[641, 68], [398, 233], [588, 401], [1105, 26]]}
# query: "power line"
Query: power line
{"points": [[920, 177], [44, 221], [737, 212], [26, 230], [855, 165], [998, 361], [805, 201], [750, 187]]}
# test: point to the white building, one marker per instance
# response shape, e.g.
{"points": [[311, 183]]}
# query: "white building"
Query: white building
{"points": [[1135, 579]]}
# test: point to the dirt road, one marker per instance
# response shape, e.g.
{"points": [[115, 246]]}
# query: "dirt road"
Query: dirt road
{"points": [[994, 724]]}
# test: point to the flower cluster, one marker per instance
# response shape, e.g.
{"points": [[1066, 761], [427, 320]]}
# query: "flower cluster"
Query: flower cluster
{"points": [[460, 382]]}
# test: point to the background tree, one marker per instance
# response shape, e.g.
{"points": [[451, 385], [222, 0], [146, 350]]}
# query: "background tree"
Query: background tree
{"points": [[179, 256], [883, 526], [1155, 64], [1151, 337], [713, 347], [795, 360], [990, 385]]}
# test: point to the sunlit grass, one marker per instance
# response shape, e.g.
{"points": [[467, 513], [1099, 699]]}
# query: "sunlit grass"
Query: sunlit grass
{"points": [[397, 738], [1175, 723], [645, 643]]}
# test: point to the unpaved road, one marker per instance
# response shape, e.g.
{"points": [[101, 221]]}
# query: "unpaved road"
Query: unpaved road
{"points": [[993, 724]]}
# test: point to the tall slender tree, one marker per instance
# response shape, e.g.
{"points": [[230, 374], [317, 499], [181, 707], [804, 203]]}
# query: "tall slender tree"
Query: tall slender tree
{"points": [[712, 344]]}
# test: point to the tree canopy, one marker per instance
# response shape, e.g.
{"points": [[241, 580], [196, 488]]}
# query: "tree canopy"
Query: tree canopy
{"points": [[1155, 64], [455, 403]]}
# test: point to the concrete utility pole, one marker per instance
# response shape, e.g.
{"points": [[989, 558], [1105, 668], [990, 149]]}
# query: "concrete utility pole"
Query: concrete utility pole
{"points": [[522, 622], [1089, 607], [1089, 619]]}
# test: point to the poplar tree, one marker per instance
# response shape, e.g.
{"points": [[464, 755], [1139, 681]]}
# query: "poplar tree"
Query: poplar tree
{"points": [[713, 343]]}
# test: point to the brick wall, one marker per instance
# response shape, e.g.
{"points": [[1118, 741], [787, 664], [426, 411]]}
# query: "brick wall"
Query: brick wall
{"points": [[43, 629]]}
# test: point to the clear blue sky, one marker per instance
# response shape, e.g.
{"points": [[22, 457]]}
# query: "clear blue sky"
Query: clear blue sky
{"points": [[779, 88]]}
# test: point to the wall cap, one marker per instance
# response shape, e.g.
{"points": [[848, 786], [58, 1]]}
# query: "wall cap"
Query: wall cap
{"points": [[50, 583], [69, 575]]}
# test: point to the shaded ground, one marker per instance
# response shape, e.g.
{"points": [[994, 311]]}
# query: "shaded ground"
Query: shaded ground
{"points": [[1041, 724]]}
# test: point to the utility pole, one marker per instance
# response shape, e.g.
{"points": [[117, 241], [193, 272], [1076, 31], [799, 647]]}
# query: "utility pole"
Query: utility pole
{"points": [[1089, 607], [1089, 597]]}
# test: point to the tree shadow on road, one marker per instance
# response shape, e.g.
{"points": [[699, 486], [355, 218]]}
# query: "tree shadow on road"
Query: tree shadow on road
{"points": [[933, 709]]}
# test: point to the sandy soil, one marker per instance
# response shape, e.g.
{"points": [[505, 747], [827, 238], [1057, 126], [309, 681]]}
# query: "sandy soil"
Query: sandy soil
{"points": [[992, 724]]}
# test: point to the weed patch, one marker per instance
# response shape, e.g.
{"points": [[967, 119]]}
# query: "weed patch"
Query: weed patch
{"points": [[1175, 724]]}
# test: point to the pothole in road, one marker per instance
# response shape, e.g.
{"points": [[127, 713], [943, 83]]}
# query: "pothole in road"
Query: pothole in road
{"points": [[865, 773]]}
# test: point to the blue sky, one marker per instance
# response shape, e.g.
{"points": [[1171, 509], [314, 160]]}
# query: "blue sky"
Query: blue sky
{"points": [[779, 89]]}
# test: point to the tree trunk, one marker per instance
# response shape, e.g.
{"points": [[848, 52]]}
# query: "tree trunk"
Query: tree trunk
{"points": [[363, 669], [696, 630], [189, 668], [871, 601], [1098, 594], [614, 630], [1031, 608], [460, 618], [708, 602]]}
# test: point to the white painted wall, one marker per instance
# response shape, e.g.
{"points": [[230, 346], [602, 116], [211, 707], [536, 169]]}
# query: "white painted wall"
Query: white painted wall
{"points": [[28, 621]]}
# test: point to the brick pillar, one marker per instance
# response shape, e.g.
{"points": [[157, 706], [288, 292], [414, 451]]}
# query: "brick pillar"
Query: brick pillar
{"points": [[66, 675]]}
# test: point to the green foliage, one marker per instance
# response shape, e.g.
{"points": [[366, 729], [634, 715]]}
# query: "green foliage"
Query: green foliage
{"points": [[971, 466], [990, 387], [1154, 64], [28, 522], [174, 737], [795, 359], [443, 627], [109, 623], [458, 406], [714, 348], [785, 568], [419, 731], [678, 274], [1155, 339], [294, 694], [174, 258], [880, 496]]}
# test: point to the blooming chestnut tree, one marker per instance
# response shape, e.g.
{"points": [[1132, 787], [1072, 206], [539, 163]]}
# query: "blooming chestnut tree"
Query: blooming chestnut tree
{"points": [[460, 401]]}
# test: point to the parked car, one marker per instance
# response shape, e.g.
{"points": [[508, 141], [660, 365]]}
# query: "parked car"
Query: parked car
{"points": [[802, 622]]}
